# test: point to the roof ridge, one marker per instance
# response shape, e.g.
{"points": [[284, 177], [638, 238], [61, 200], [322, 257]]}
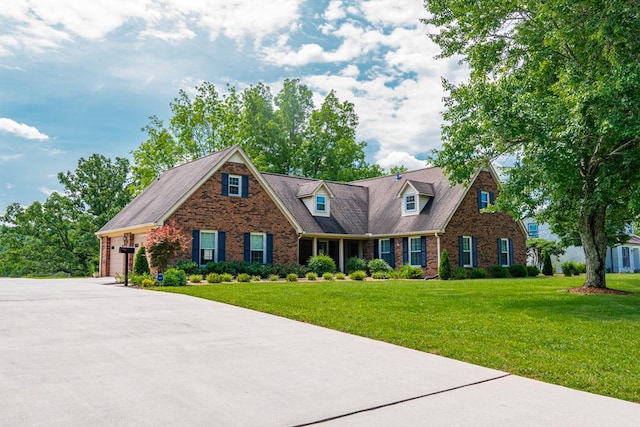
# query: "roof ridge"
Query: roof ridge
{"points": [[215, 153], [393, 174]]}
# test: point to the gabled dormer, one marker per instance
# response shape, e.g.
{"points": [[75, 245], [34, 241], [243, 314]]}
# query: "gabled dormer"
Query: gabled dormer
{"points": [[316, 196], [414, 196]]}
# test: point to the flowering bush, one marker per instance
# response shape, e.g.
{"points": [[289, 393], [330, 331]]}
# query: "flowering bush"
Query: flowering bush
{"points": [[163, 243]]}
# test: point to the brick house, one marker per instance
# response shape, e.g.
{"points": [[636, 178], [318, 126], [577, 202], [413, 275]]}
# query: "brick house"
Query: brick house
{"points": [[233, 212]]}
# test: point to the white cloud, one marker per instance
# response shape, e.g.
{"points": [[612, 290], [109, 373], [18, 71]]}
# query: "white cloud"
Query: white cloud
{"points": [[9, 157], [8, 185], [334, 11], [20, 129], [393, 12], [47, 191], [398, 158]]}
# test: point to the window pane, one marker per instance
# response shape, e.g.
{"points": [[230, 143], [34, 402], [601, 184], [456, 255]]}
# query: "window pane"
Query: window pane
{"points": [[257, 242], [385, 246], [234, 185], [466, 244], [415, 258], [415, 244], [410, 203], [320, 203], [207, 240]]}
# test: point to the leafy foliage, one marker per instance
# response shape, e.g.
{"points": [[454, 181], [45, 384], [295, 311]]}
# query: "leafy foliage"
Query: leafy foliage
{"points": [[358, 275], [498, 271], [444, 271], [141, 264], [547, 268], [533, 271], [378, 266], [518, 270], [460, 273], [163, 243], [478, 273], [555, 85], [354, 264], [321, 264], [174, 277], [536, 248]]}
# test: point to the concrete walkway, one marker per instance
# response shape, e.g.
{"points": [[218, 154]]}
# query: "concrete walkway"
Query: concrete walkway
{"points": [[81, 352]]}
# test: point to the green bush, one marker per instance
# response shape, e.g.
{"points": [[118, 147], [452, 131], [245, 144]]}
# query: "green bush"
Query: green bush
{"points": [[226, 277], [321, 264], [498, 271], [378, 266], [148, 282], [409, 272], [141, 264], [569, 268], [195, 278], [547, 268], [358, 275], [214, 278], [339, 276], [174, 277], [460, 273], [243, 277], [355, 264], [395, 274], [444, 271], [581, 268], [189, 267], [518, 270], [328, 277], [311, 275], [136, 279], [292, 277], [478, 273], [274, 277], [256, 278], [533, 271], [379, 275]]}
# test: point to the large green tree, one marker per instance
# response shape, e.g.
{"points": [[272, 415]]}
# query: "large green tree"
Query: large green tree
{"points": [[282, 134], [556, 86], [59, 234]]}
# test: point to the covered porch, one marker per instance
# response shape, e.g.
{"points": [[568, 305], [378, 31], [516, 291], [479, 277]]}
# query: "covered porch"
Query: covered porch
{"points": [[340, 249]]}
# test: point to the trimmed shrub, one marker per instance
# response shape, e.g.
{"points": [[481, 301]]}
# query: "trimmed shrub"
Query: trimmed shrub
{"points": [[274, 277], [358, 275], [328, 277], [174, 277], [498, 271], [518, 270], [568, 268], [444, 271], [460, 273], [581, 268], [189, 267], [478, 273], [409, 272], [339, 276], [256, 278], [355, 264], [243, 277], [321, 264], [547, 268], [378, 266], [195, 278], [147, 283], [395, 274], [214, 278], [141, 264], [379, 275], [311, 276], [292, 277], [226, 277], [533, 270]]}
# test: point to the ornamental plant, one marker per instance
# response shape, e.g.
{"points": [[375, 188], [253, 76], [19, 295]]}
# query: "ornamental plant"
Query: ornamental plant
{"points": [[445, 266], [163, 243], [141, 264]]}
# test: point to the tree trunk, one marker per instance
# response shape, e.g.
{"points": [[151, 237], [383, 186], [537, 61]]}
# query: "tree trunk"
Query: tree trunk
{"points": [[594, 242]]}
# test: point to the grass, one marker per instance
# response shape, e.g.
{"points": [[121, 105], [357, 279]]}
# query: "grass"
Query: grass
{"points": [[527, 327]]}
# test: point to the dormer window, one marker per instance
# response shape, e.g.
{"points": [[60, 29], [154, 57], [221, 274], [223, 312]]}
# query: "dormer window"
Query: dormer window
{"points": [[321, 204], [316, 196], [234, 185], [410, 203]]}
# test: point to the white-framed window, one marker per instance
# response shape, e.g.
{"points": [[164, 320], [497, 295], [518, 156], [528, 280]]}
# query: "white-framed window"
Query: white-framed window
{"points": [[208, 240], [504, 253], [321, 203], [258, 248], [485, 199], [532, 229], [467, 251], [385, 250], [415, 251], [410, 203], [234, 185]]}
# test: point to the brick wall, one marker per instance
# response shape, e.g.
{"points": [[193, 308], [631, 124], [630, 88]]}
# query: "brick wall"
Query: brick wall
{"points": [[486, 227], [105, 256], [207, 209]]}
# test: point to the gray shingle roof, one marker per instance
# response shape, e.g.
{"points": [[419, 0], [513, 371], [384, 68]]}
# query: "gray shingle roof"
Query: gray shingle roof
{"points": [[424, 188], [162, 195]]}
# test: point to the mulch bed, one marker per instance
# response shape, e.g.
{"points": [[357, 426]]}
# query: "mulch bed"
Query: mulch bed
{"points": [[590, 291]]}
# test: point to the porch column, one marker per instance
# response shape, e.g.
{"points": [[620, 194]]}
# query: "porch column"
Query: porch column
{"points": [[619, 252], [314, 250], [341, 255]]}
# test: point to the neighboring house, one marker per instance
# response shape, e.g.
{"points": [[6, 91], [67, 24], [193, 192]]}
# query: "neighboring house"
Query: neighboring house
{"points": [[233, 212], [623, 258]]}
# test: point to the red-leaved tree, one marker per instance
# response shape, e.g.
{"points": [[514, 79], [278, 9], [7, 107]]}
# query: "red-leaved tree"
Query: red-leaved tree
{"points": [[163, 243]]}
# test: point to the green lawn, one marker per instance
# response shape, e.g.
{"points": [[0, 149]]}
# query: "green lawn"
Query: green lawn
{"points": [[528, 327]]}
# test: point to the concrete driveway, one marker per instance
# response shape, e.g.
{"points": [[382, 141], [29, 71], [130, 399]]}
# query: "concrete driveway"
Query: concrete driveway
{"points": [[82, 352]]}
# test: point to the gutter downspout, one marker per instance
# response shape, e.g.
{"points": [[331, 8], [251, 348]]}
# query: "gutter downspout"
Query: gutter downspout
{"points": [[438, 246]]}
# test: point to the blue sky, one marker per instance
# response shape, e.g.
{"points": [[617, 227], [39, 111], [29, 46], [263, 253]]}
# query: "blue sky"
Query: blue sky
{"points": [[82, 77]]}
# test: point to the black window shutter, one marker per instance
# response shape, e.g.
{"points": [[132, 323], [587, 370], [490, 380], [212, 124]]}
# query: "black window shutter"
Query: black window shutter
{"points": [[460, 252], [423, 251], [492, 197], [392, 255], [474, 243], [479, 199], [195, 247], [225, 184], [247, 247], [222, 243], [269, 248], [245, 186], [405, 250], [499, 252], [511, 261], [376, 249]]}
